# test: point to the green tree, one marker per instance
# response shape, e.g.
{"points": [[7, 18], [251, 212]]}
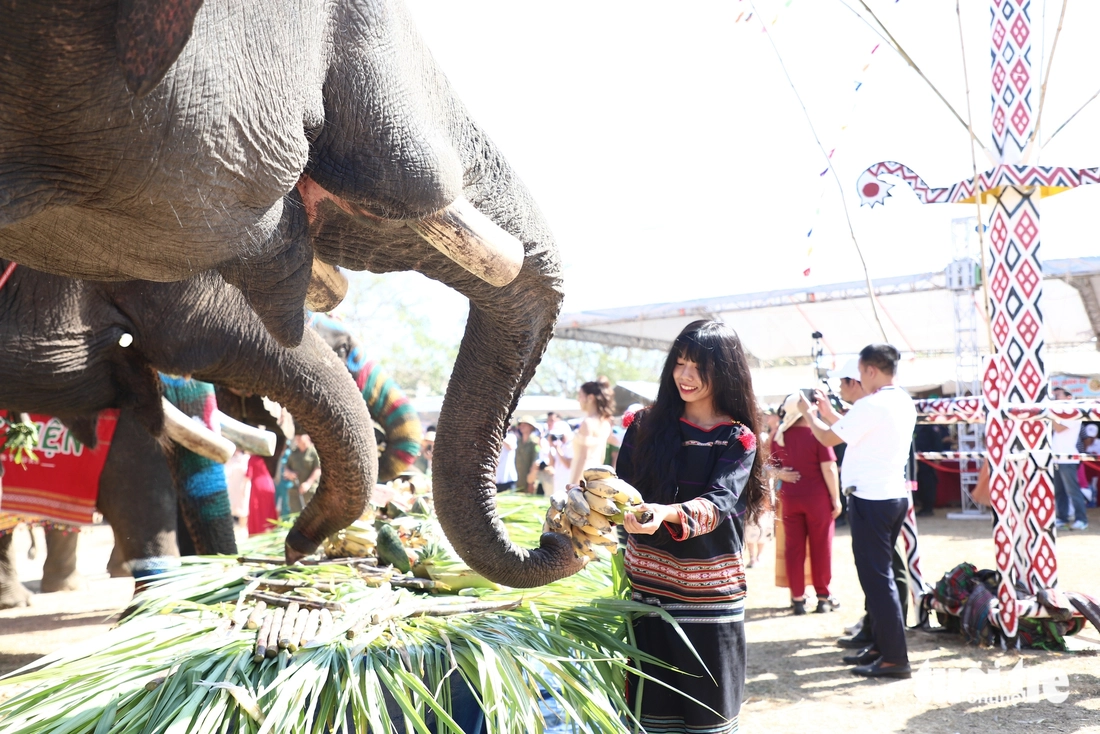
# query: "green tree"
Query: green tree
{"points": [[393, 315], [568, 364]]}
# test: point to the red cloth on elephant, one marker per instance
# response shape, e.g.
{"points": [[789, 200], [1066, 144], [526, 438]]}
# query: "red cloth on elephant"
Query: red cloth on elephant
{"points": [[261, 502]]}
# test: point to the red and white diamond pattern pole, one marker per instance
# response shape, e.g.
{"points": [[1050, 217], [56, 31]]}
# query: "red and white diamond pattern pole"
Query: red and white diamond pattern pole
{"points": [[1021, 490]]}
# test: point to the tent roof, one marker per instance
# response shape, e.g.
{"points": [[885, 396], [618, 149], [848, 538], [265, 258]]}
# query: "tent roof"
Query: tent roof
{"points": [[918, 315], [917, 310]]}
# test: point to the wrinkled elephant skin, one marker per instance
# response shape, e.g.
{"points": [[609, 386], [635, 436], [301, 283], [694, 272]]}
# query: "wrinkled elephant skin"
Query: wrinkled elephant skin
{"points": [[331, 129], [63, 357]]}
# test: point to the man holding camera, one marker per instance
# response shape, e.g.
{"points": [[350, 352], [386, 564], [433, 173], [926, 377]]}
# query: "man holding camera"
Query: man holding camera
{"points": [[878, 430]]}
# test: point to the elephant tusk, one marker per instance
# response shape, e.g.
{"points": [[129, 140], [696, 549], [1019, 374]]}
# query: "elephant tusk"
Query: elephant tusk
{"points": [[474, 241], [248, 439], [194, 436], [327, 287]]}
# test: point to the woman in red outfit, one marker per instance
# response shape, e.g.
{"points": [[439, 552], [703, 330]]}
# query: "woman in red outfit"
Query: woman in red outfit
{"points": [[261, 503], [810, 505]]}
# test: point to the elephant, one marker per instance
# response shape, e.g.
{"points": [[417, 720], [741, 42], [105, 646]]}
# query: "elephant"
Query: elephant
{"points": [[136, 468], [261, 139], [64, 356]]}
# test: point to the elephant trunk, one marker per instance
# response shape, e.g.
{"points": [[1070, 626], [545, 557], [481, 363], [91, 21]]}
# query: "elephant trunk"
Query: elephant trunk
{"points": [[506, 333], [314, 385]]}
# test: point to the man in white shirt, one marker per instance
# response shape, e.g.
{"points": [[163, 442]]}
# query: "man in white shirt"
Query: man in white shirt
{"points": [[878, 430], [1066, 488]]}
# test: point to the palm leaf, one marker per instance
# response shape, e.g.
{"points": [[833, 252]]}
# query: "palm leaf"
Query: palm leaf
{"points": [[570, 641]]}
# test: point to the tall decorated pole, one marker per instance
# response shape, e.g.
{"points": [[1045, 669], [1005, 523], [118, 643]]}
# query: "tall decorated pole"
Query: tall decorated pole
{"points": [[1021, 490]]}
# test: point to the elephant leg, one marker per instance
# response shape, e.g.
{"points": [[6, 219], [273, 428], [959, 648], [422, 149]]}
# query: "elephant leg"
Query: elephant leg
{"points": [[12, 593], [117, 565], [59, 571]]}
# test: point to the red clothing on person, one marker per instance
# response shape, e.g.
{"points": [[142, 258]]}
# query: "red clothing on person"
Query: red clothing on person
{"points": [[807, 510], [805, 454], [261, 503]]}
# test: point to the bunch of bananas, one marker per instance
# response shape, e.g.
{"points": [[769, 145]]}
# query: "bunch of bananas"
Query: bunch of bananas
{"points": [[358, 540], [589, 513]]}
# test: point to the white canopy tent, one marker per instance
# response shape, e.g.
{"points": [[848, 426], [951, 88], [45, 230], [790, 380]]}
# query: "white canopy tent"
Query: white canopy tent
{"points": [[917, 313]]}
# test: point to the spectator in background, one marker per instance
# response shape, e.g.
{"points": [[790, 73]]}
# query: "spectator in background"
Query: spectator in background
{"points": [[506, 464], [597, 400], [878, 430], [303, 469], [850, 391], [1067, 490], [427, 448], [527, 455], [928, 437], [261, 497], [810, 504], [560, 453], [236, 483]]}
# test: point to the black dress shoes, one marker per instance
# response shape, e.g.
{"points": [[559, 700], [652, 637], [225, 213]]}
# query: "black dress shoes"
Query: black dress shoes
{"points": [[858, 641], [878, 670], [864, 656], [799, 607]]}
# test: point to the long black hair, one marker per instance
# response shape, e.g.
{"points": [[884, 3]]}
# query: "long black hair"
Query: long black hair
{"points": [[717, 353]]}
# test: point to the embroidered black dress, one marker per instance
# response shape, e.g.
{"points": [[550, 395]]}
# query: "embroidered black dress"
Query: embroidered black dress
{"points": [[694, 572]]}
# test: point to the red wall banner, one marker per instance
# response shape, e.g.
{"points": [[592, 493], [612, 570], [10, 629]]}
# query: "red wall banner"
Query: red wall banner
{"points": [[64, 484]]}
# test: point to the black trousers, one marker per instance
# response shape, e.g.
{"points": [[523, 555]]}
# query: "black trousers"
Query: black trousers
{"points": [[875, 526], [928, 483]]}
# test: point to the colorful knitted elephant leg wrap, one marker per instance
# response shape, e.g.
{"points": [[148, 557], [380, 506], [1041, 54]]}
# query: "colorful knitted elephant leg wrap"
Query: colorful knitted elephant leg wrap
{"points": [[200, 482], [389, 406]]}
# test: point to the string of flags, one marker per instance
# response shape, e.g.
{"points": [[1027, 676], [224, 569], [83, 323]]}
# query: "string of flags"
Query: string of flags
{"points": [[745, 16]]}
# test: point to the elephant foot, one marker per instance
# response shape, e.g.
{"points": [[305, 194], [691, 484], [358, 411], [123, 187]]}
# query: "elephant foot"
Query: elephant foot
{"points": [[14, 595], [70, 582]]}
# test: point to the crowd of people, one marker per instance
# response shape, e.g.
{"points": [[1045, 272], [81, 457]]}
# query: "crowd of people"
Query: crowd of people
{"points": [[721, 477]]}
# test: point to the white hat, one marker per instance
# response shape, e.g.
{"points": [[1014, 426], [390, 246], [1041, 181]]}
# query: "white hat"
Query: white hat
{"points": [[850, 369], [791, 413]]}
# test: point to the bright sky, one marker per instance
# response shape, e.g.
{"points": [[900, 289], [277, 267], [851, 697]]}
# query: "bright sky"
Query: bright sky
{"points": [[672, 160]]}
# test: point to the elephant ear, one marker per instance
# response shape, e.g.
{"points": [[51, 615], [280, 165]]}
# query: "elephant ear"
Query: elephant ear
{"points": [[151, 34]]}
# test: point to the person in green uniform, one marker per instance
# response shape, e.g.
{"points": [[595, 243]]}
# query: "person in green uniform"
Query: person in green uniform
{"points": [[303, 470], [527, 454]]}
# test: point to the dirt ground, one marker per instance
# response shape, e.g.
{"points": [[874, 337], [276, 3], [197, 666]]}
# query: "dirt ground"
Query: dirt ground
{"points": [[796, 681]]}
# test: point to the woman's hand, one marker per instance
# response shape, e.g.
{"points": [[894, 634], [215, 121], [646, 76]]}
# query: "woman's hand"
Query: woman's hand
{"points": [[836, 507], [634, 526], [787, 474]]}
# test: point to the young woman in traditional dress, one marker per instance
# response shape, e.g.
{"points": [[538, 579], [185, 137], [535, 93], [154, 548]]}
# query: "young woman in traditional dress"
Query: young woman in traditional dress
{"points": [[693, 456]]}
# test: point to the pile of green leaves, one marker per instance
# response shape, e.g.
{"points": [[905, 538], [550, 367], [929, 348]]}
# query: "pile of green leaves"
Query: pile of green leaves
{"points": [[182, 661]]}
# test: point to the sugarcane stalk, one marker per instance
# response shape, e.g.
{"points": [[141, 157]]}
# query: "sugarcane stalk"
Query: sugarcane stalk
{"points": [[296, 631], [367, 612], [273, 633], [261, 637], [291, 584], [477, 607], [411, 582], [290, 616], [325, 630], [313, 623], [257, 616], [281, 601]]}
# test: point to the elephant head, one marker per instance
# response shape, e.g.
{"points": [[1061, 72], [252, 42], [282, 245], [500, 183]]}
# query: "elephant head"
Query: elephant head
{"points": [[331, 135]]}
